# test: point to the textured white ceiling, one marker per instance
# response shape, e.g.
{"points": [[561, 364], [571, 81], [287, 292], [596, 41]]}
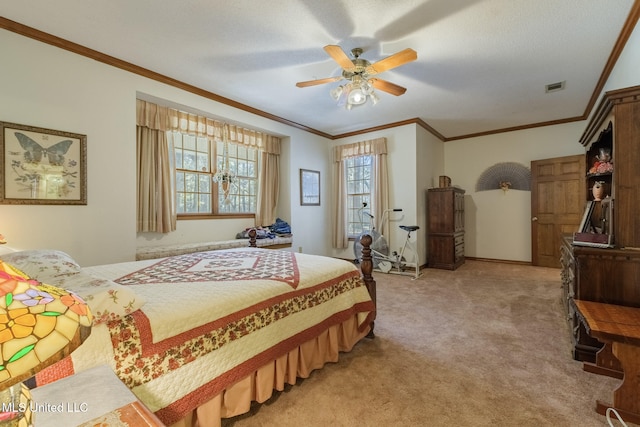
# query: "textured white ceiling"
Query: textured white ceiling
{"points": [[482, 64]]}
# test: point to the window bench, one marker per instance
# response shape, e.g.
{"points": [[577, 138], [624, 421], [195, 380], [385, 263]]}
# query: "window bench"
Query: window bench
{"points": [[151, 252]]}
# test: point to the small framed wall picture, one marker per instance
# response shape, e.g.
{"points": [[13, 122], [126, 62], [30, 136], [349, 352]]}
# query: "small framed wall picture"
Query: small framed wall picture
{"points": [[309, 187], [42, 166]]}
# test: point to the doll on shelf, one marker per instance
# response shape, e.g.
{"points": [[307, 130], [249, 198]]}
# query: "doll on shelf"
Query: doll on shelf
{"points": [[603, 163]]}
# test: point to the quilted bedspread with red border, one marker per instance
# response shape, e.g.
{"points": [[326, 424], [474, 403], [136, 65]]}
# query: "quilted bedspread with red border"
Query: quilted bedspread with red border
{"points": [[212, 318]]}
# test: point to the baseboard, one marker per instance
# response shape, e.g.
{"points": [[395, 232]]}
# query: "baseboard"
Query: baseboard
{"points": [[501, 261]]}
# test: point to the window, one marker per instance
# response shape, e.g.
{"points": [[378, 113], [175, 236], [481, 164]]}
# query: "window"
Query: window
{"points": [[196, 193], [363, 178], [359, 173], [243, 192]]}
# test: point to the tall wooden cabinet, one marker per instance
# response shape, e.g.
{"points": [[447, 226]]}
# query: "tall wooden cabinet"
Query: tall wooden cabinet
{"points": [[610, 275], [445, 227]]}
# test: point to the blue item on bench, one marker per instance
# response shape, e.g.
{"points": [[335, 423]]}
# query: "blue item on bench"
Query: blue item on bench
{"points": [[281, 227]]}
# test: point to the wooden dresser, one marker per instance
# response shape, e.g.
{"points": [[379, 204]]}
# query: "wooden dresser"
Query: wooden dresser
{"points": [[445, 227], [608, 275]]}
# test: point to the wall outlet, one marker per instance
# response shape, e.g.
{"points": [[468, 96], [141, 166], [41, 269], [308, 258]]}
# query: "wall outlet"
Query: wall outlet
{"points": [[300, 249]]}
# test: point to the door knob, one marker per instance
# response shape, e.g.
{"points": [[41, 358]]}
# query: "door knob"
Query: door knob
{"points": [[535, 218]]}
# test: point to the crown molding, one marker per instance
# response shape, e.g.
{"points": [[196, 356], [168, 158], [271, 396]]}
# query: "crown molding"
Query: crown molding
{"points": [[50, 39]]}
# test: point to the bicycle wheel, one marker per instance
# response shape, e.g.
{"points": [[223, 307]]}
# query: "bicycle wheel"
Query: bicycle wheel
{"points": [[378, 244]]}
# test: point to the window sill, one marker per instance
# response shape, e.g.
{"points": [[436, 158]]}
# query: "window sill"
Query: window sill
{"points": [[189, 217]]}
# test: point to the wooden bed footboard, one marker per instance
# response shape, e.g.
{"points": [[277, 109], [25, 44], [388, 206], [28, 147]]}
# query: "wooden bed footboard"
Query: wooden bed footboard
{"points": [[366, 267]]}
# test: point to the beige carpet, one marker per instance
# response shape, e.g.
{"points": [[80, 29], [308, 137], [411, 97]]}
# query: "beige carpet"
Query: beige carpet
{"points": [[485, 345]]}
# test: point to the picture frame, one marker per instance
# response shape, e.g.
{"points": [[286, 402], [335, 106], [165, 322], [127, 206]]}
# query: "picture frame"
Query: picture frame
{"points": [[42, 166], [309, 187]]}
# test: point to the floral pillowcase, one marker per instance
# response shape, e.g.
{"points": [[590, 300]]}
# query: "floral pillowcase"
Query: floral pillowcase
{"points": [[42, 264], [106, 299]]}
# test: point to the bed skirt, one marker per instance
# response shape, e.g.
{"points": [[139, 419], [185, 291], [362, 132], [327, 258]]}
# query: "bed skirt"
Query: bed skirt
{"points": [[259, 385]]}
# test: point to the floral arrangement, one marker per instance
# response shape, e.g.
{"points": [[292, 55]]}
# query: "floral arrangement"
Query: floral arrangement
{"points": [[603, 163], [601, 167]]}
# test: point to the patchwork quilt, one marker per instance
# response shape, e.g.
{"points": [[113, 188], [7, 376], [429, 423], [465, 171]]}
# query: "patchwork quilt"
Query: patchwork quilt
{"points": [[212, 318]]}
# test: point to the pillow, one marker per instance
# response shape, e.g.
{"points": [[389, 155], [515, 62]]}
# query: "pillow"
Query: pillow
{"points": [[106, 299], [42, 264], [4, 249]]}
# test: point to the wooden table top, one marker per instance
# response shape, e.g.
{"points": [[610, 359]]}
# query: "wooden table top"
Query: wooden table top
{"points": [[610, 322]]}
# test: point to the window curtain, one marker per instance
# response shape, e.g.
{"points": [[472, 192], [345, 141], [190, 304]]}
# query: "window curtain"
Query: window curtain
{"points": [[268, 182], [162, 119], [156, 208], [380, 197]]}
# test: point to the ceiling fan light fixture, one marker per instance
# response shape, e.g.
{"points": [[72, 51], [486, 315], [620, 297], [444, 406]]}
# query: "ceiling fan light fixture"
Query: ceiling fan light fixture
{"points": [[357, 96], [343, 99], [358, 72], [336, 92], [367, 87], [374, 98]]}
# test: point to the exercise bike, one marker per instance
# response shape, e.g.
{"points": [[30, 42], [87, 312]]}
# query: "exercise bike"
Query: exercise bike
{"points": [[394, 263]]}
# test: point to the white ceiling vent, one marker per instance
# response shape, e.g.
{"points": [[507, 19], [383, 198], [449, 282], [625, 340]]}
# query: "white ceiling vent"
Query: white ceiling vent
{"points": [[554, 87]]}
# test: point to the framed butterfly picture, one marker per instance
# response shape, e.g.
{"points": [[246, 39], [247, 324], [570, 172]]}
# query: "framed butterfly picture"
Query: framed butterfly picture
{"points": [[42, 166]]}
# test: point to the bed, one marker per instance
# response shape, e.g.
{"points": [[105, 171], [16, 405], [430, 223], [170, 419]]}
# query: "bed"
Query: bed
{"points": [[200, 336]]}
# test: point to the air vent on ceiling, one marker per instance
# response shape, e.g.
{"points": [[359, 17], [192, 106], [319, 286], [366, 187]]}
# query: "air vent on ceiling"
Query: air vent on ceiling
{"points": [[554, 87]]}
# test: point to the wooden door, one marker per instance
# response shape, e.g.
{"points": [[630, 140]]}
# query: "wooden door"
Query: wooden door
{"points": [[558, 198]]}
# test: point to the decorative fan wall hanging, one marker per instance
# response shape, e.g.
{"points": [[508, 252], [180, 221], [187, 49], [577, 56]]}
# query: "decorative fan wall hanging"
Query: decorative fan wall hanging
{"points": [[359, 73], [505, 176]]}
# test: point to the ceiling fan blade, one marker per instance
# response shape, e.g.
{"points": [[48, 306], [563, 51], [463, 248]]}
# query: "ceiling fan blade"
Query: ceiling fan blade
{"points": [[388, 87], [393, 61], [339, 56], [318, 81]]}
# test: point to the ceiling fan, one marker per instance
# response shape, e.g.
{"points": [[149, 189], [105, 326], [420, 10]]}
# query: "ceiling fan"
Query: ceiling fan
{"points": [[359, 72]]}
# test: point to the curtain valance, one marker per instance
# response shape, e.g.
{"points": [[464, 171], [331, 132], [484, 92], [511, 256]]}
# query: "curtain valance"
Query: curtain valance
{"points": [[163, 118], [371, 147]]}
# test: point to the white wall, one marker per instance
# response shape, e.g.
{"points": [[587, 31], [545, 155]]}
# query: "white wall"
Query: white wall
{"points": [[625, 73], [409, 176], [299, 150], [497, 223], [312, 223], [51, 88], [430, 165]]}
